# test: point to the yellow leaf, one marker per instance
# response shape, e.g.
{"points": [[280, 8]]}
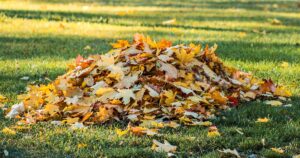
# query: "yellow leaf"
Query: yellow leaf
{"points": [[168, 22], [284, 64], [183, 56], [212, 134], [170, 97], [262, 120], [8, 131], [51, 109], [278, 150], [216, 95], [206, 123], [81, 145], [163, 147], [274, 103], [102, 91], [103, 114], [2, 99], [125, 94], [121, 44], [120, 132], [138, 130], [87, 116], [281, 91], [242, 34], [70, 120]]}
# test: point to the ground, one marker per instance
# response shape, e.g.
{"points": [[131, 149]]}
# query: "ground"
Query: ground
{"points": [[39, 38]]}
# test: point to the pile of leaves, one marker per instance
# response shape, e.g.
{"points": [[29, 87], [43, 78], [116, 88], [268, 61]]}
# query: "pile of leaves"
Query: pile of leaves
{"points": [[143, 81]]}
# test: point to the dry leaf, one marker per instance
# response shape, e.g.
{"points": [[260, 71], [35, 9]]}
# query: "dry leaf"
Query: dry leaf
{"points": [[262, 120], [231, 153], [278, 150], [274, 103], [163, 147], [8, 131]]}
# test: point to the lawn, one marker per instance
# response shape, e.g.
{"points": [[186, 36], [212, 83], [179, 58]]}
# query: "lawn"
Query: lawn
{"points": [[38, 38]]}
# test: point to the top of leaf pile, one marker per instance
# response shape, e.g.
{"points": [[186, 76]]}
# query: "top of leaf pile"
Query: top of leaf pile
{"points": [[143, 80]]}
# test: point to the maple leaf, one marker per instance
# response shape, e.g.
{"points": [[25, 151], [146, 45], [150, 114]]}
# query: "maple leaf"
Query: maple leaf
{"points": [[132, 51], [125, 94], [281, 91], [219, 98], [117, 70], [127, 81], [183, 56], [152, 92], [170, 97], [163, 147], [267, 86], [170, 70], [103, 114], [51, 109], [211, 74], [106, 60], [163, 44], [121, 44]]}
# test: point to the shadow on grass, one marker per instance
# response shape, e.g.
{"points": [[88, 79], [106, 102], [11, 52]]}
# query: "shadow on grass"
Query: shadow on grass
{"points": [[147, 19], [283, 6], [68, 47]]}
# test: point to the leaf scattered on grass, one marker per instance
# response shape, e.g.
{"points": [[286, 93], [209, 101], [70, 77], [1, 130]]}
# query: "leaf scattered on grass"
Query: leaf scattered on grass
{"points": [[231, 153], [262, 120], [278, 150], [8, 131], [163, 147]]}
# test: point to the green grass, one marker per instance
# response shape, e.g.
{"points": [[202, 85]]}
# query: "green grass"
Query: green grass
{"points": [[39, 37]]}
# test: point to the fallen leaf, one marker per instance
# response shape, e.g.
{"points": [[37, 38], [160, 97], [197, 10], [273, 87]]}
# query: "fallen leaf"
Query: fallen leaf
{"points": [[125, 94], [275, 22], [274, 103], [284, 64], [170, 70], [8, 131], [121, 133], [212, 134], [183, 56], [231, 153], [121, 44], [81, 145], [163, 147], [262, 120], [15, 110], [168, 22], [278, 150]]}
